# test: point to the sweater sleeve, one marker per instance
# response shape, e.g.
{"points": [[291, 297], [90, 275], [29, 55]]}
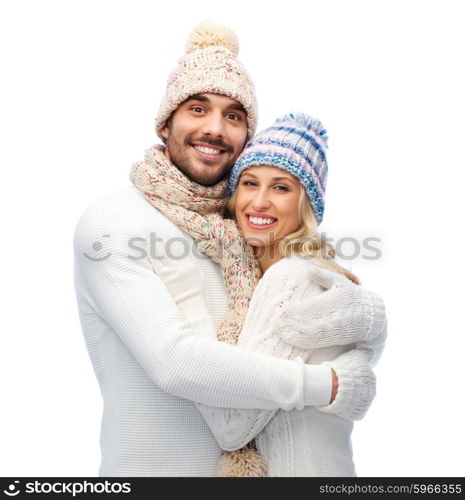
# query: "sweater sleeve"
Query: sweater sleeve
{"points": [[131, 299]]}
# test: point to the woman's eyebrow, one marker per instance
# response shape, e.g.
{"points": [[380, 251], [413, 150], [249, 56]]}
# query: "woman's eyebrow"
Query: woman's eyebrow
{"points": [[283, 179]]}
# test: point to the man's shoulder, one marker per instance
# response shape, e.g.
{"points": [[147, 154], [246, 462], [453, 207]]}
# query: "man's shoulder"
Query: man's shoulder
{"points": [[119, 201], [114, 207], [124, 212]]}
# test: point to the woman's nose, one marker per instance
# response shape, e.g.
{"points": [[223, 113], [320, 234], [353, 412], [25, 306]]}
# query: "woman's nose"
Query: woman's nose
{"points": [[261, 200]]}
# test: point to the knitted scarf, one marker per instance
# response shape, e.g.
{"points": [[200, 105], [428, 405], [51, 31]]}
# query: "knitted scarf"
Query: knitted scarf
{"points": [[199, 211]]}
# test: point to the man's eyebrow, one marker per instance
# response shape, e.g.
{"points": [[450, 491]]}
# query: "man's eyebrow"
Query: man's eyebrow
{"points": [[198, 97], [238, 106], [202, 98]]}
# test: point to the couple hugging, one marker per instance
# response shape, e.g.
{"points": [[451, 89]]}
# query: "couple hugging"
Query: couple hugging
{"points": [[237, 347]]}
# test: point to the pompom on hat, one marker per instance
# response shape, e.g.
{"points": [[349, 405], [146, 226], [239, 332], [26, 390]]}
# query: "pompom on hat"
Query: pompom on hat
{"points": [[296, 142], [210, 65]]}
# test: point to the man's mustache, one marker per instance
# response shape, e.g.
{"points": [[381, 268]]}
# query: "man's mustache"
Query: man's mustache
{"points": [[213, 142]]}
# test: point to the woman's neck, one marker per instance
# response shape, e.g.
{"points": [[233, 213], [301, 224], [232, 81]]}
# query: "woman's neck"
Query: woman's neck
{"points": [[267, 256]]}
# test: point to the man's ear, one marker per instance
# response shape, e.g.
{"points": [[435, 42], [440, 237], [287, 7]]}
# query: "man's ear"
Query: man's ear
{"points": [[165, 131]]}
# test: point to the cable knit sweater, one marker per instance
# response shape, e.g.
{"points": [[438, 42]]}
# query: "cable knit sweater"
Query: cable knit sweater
{"points": [[150, 367], [317, 440]]}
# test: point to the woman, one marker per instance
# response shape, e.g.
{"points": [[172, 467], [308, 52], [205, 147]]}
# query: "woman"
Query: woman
{"points": [[278, 200]]}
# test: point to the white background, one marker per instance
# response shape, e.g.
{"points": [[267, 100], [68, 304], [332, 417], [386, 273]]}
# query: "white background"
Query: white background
{"points": [[81, 85]]}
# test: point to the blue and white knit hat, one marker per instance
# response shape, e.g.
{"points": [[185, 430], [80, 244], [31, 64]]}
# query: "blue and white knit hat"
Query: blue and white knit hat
{"points": [[297, 143]]}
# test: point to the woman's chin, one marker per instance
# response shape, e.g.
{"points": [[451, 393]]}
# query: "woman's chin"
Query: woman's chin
{"points": [[263, 248]]}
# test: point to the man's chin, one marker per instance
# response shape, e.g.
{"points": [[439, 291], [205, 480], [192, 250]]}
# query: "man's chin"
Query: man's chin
{"points": [[206, 181], [206, 177]]}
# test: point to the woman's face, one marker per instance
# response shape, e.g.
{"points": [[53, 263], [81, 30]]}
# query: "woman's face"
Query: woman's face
{"points": [[266, 208]]}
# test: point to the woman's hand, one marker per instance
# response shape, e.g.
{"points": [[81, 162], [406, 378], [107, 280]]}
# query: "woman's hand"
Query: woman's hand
{"points": [[343, 313]]}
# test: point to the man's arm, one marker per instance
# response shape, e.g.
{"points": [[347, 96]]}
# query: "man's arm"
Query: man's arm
{"points": [[134, 302], [234, 428]]}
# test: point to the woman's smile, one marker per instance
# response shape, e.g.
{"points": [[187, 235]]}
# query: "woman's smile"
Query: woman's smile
{"points": [[260, 222]]}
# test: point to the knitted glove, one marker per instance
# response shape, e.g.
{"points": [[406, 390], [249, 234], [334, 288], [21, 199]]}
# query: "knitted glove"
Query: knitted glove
{"points": [[344, 313]]}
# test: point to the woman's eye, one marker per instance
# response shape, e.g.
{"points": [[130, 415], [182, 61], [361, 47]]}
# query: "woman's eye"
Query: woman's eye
{"points": [[249, 183], [282, 188]]}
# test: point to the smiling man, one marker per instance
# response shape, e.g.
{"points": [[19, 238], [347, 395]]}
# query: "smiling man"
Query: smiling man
{"points": [[205, 135], [150, 366]]}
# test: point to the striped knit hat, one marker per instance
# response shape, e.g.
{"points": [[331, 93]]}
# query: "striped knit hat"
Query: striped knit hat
{"points": [[297, 143], [210, 65]]}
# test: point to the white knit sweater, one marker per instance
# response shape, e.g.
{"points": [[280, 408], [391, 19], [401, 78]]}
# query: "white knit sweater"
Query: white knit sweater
{"points": [[345, 331], [149, 367]]}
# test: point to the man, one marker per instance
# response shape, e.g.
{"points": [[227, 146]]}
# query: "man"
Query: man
{"points": [[149, 365]]}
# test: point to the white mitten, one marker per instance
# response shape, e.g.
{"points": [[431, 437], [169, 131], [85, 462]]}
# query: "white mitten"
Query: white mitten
{"points": [[186, 284], [357, 384], [343, 313]]}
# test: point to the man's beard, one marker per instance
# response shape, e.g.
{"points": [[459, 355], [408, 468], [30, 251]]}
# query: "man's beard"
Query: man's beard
{"points": [[180, 157]]}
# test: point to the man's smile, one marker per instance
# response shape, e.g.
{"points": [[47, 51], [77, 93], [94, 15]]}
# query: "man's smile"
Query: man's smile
{"points": [[208, 151]]}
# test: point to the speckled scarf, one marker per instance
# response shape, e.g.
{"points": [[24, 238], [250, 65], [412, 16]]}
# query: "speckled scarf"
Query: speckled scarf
{"points": [[198, 210]]}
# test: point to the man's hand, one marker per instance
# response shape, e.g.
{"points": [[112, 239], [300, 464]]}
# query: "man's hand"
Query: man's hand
{"points": [[335, 386]]}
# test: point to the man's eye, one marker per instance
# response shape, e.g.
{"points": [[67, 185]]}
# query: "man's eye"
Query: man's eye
{"points": [[233, 116], [197, 109]]}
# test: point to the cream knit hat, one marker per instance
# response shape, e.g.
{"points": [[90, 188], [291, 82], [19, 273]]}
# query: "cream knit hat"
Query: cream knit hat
{"points": [[210, 65]]}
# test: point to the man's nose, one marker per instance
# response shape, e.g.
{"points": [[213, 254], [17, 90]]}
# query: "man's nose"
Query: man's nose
{"points": [[213, 124]]}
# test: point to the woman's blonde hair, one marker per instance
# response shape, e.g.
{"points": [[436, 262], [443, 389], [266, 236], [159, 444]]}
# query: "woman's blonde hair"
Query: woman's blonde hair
{"points": [[306, 241]]}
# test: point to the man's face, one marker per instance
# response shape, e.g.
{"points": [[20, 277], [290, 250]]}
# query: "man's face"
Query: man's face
{"points": [[204, 137]]}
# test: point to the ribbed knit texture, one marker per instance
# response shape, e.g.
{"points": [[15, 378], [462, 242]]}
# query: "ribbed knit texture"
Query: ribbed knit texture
{"points": [[149, 366]]}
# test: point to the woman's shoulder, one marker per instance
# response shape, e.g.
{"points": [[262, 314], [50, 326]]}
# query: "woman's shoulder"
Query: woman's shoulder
{"points": [[290, 273], [292, 264]]}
